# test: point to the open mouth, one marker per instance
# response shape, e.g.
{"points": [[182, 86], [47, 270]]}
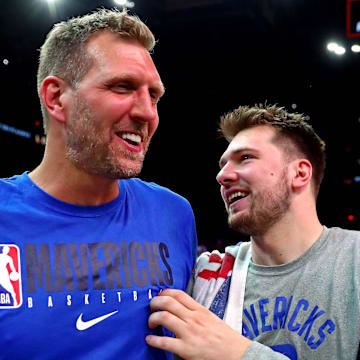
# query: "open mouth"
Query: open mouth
{"points": [[132, 139], [236, 196]]}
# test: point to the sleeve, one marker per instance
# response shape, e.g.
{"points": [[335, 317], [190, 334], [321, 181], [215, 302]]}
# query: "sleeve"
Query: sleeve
{"points": [[193, 237], [257, 351]]}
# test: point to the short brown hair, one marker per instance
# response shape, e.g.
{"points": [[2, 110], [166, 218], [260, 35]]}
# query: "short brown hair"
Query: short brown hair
{"points": [[292, 130], [64, 54]]}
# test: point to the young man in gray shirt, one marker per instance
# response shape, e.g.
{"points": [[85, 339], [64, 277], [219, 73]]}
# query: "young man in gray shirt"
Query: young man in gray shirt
{"points": [[292, 292]]}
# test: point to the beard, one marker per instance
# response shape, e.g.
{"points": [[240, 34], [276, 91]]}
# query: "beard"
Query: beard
{"points": [[266, 209], [88, 149]]}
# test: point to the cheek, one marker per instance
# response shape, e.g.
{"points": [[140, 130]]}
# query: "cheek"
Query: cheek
{"points": [[111, 106]]}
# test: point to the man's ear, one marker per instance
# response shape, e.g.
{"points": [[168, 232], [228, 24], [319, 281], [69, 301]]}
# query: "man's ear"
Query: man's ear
{"points": [[302, 173], [52, 92]]}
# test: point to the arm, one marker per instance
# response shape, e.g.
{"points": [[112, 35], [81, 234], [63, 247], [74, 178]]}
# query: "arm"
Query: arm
{"points": [[199, 333], [257, 351]]}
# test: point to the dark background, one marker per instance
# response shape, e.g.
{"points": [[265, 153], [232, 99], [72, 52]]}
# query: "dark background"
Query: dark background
{"points": [[212, 55]]}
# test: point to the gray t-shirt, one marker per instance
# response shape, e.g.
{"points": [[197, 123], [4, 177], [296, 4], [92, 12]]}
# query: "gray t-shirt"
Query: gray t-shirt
{"points": [[309, 308]]}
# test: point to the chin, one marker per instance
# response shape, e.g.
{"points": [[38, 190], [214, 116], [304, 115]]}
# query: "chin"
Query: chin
{"points": [[124, 173], [233, 222], [127, 172], [241, 224], [115, 171]]}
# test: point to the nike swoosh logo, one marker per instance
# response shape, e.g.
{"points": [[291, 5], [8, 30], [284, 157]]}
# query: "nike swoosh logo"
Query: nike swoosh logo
{"points": [[83, 325]]}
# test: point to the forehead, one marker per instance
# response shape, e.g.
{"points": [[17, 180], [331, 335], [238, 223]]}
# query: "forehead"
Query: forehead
{"points": [[113, 54], [258, 139]]}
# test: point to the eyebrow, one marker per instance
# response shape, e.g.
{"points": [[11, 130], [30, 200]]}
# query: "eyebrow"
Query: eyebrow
{"points": [[234, 153], [158, 87]]}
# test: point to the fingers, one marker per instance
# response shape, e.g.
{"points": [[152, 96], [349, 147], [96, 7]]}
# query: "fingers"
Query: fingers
{"points": [[181, 297], [170, 304], [169, 320], [172, 309], [173, 305], [166, 343], [195, 328]]}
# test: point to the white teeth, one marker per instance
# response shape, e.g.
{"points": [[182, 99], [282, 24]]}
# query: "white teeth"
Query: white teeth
{"points": [[133, 137], [236, 194]]}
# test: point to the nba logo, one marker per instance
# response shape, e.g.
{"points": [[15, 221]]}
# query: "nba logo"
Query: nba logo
{"points": [[10, 277]]}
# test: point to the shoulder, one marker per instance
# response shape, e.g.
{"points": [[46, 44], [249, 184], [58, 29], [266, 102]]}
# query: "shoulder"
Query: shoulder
{"points": [[339, 234], [142, 185], [10, 181], [153, 191], [10, 186], [342, 241]]}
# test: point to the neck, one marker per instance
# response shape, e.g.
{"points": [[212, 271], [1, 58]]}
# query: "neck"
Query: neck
{"points": [[287, 240], [64, 181]]}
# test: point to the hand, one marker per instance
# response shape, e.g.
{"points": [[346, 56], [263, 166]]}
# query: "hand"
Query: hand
{"points": [[200, 334]]}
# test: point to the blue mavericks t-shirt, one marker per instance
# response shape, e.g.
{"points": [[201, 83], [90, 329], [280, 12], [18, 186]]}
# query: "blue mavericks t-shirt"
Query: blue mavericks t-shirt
{"points": [[76, 281]]}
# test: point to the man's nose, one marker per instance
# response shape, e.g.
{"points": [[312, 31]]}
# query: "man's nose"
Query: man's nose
{"points": [[227, 175], [144, 109]]}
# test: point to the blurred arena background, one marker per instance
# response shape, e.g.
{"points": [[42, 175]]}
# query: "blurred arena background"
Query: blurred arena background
{"points": [[213, 55]]}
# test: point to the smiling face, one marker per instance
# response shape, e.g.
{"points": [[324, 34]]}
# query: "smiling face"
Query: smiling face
{"points": [[112, 114], [254, 181]]}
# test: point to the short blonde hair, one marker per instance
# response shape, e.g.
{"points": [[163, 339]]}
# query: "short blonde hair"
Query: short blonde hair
{"points": [[64, 53]]}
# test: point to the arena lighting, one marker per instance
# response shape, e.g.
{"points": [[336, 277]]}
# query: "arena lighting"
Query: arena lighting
{"points": [[336, 48], [15, 131], [332, 46], [340, 50], [125, 3], [40, 139], [355, 48]]}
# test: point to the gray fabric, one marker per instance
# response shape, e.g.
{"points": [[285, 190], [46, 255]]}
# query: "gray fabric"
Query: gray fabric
{"points": [[309, 308], [261, 352]]}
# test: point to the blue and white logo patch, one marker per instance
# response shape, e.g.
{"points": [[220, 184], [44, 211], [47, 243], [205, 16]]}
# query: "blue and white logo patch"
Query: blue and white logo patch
{"points": [[10, 277]]}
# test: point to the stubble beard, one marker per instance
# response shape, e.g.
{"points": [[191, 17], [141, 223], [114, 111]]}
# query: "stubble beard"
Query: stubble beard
{"points": [[88, 150], [266, 209]]}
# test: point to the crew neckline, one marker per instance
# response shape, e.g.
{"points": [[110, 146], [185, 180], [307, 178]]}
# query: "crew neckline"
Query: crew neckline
{"points": [[293, 265], [41, 198]]}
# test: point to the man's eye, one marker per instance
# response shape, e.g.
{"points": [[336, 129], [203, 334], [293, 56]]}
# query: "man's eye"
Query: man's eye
{"points": [[119, 86], [245, 157]]}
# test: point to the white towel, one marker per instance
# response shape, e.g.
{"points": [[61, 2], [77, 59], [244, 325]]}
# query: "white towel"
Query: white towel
{"points": [[220, 282]]}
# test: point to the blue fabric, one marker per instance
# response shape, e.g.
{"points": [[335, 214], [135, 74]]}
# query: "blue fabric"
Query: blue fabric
{"points": [[219, 303], [95, 261]]}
